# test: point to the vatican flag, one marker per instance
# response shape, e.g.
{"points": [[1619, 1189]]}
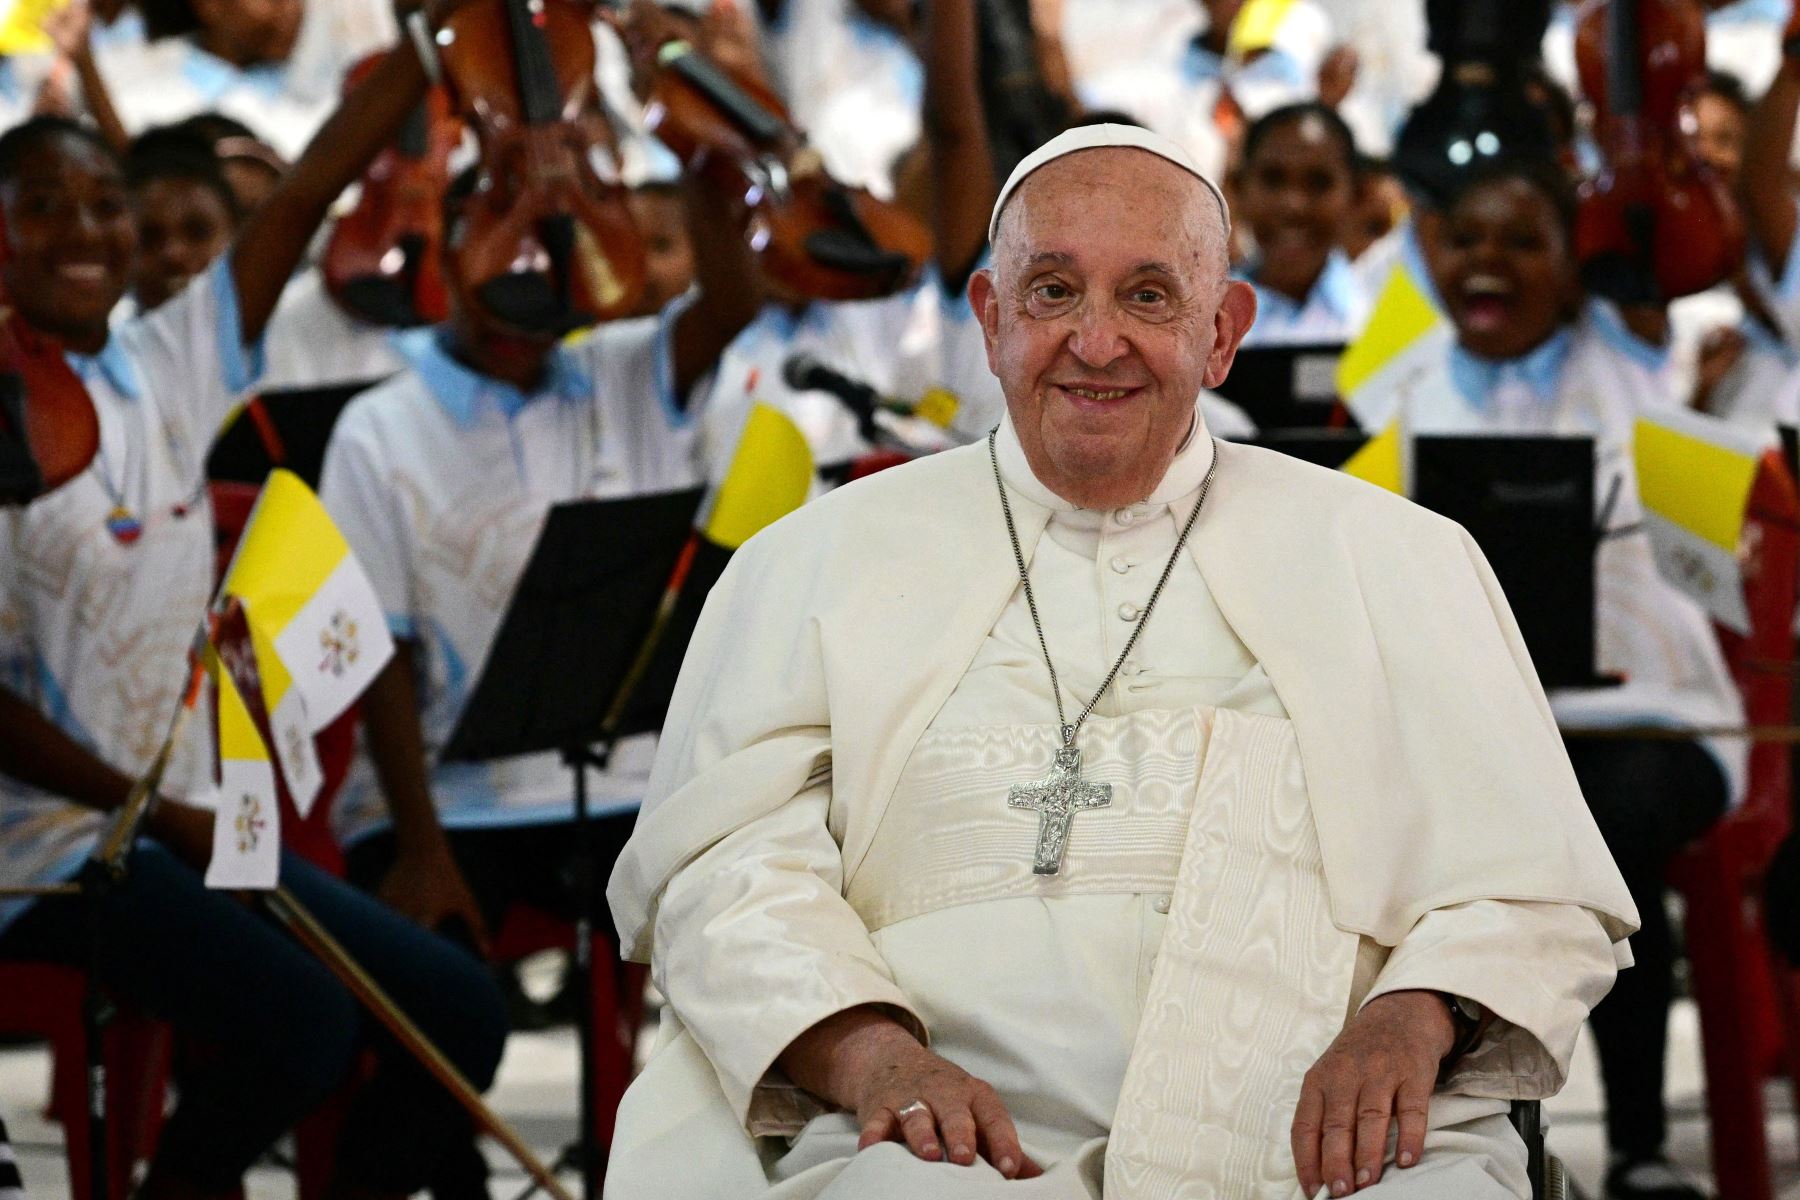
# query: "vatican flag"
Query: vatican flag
{"points": [[1381, 460], [316, 625], [1695, 474], [22, 25], [771, 474], [247, 814]]}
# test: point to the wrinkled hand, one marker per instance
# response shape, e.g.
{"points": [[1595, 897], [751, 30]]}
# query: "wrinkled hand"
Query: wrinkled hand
{"points": [[427, 886], [871, 1065], [184, 829], [1381, 1068]]}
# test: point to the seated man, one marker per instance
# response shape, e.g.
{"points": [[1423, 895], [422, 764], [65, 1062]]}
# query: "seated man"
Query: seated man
{"points": [[1103, 806]]}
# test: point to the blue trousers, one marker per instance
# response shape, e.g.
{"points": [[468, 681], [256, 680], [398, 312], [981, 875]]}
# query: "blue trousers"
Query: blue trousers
{"points": [[287, 1034]]}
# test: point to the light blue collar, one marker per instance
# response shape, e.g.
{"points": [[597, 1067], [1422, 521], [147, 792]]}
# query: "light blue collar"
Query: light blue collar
{"points": [[212, 76], [462, 391], [1199, 64], [1539, 369], [111, 364], [1336, 288]]}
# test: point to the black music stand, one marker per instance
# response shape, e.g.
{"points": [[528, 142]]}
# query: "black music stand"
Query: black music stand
{"points": [[1529, 504], [1329, 448], [303, 419], [577, 622]]}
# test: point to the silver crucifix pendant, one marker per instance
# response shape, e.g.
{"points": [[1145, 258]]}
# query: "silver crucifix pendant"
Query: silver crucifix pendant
{"points": [[1056, 799]]}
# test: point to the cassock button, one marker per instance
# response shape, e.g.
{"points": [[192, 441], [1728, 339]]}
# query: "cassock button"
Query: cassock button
{"points": [[1121, 564], [1161, 905], [1128, 612]]}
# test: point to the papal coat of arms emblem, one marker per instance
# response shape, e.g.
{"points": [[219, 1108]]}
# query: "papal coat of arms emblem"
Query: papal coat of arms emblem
{"points": [[339, 643], [250, 823]]}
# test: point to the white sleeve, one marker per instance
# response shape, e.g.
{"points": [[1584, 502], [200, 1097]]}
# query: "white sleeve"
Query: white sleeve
{"points": [[192, 353], [1539, 968], [632, 366], [354, 488], [755, 944], [1777, 284]]}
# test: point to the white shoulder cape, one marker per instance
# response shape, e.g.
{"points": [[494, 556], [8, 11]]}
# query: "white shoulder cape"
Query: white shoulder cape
{"points": [[1434, 768]]}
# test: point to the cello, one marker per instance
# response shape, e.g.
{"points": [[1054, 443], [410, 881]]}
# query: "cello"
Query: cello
{"points": [[546, 245], [813, 237], [1656, 222], [382, 262]]}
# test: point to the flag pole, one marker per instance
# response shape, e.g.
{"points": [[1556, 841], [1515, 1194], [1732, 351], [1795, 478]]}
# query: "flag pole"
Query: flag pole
{"points": [[327, 949]]}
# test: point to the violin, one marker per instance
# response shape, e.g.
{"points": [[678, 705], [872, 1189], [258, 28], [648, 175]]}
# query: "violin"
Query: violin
{"points": [[382, 261], [813, 236], [1656, 222], [545, 246], [49, 429]]}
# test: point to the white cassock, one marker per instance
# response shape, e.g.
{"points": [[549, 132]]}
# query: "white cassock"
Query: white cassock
{"points": [[1333, 776]]}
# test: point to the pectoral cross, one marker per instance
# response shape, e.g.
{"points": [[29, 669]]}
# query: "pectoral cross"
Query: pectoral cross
{"points": [[1056, 799]]}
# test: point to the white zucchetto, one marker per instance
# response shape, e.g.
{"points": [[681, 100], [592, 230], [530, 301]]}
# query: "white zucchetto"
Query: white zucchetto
{"points": [[1096, 137]]}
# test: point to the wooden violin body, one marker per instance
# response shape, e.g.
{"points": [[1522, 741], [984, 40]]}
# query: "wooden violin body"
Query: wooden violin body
{"points": [[49, 431], [383, 261], [1656, 222], [814, 237], [545, 245]]}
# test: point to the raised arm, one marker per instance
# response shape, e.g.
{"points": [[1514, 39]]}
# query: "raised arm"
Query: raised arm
{"points": [[1765, 185], [962, 165], [275, 236]]}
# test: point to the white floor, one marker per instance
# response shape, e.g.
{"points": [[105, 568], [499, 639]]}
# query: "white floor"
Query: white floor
{"points": [[536, 1093]]}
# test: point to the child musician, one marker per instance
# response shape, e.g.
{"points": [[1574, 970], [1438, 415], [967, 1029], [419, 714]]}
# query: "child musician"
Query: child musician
{"points": [[102, 584], [1534, 356]]}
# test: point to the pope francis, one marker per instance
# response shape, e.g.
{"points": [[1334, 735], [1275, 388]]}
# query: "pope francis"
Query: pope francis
{"points": [[1101, 810]]}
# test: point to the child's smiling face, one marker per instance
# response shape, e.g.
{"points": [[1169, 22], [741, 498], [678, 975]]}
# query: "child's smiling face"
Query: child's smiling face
{"points": [[1503, 266]]}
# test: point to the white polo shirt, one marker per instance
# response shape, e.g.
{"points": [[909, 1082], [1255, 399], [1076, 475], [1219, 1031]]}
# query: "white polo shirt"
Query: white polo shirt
{"points": [[1335, 310], [441, 479], [283, 103], [902, 346], [853, 84], [313, 343], [1592, 379], [95, 628]]}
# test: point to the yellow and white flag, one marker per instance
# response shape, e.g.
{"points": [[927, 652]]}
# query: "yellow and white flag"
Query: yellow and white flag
{"points": [[771, 474], [316, 625], [247, 816], [22, 25], [1695, 474], [1406, 335], [1381, 460]]}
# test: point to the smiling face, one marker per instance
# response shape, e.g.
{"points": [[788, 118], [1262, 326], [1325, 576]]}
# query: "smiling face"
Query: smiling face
{"points": [[70, 239], [1503, 267], [1107, 310], [1296, 190], [183, 225]]}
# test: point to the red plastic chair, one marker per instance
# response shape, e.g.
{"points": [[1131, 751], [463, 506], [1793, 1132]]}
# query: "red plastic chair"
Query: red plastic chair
{"points": [[1744, 1022], [43, 1000], [617, 1008]]}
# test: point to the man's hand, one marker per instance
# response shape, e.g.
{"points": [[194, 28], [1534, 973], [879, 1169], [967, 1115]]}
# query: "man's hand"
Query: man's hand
{"points": [[427, 886], [1382, 1067], [871, 1065]]}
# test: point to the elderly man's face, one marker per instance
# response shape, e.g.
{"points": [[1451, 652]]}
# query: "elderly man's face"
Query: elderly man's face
{"points": [[1106, 312]]}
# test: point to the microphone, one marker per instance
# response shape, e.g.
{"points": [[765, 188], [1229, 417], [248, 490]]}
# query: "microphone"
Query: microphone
{"points": [[804, 373]]}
